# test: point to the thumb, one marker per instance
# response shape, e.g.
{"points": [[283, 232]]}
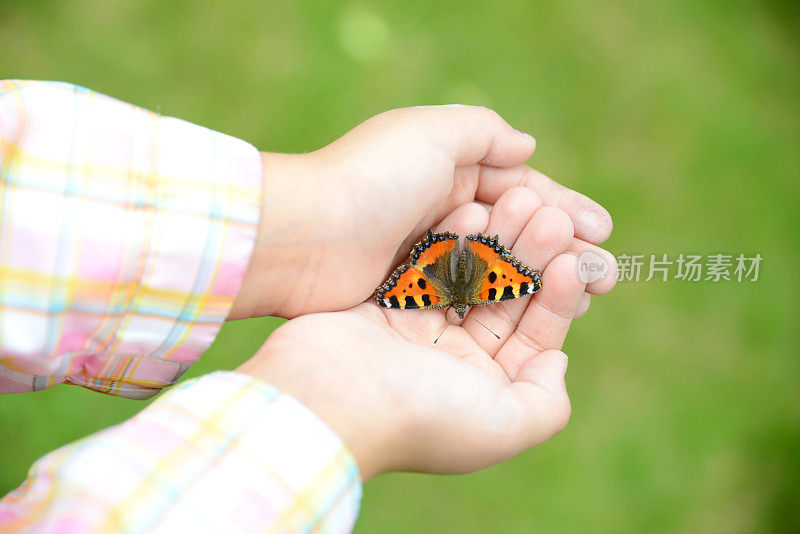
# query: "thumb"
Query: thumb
{"points": [[541, 392], [473, 134]]}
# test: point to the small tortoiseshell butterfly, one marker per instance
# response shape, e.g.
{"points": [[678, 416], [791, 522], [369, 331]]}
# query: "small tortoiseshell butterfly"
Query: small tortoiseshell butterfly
{"points": [[441, 276]]}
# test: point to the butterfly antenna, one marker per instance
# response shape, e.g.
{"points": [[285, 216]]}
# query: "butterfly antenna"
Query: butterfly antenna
{"points": [[483, 325], [445, 328]]}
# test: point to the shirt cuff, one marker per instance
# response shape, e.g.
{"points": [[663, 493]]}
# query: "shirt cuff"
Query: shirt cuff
{"points": [[221, 453], [126, 236]]}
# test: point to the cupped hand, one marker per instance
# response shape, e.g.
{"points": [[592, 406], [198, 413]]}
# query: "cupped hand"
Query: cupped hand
{"points": [[336, 221], [469, 401]]}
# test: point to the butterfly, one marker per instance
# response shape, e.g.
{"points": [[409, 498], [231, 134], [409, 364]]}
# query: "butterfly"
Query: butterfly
{"points": [[440, 275]]}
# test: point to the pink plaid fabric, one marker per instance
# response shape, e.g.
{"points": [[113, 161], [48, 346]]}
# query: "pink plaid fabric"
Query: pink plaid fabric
{"points": [[124, 237], [222, 453]]}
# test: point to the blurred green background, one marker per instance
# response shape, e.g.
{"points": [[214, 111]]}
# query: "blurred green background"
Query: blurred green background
{"points": [[682, 118]]}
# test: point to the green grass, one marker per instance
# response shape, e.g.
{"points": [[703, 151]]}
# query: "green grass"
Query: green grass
{"points": [[683, 119]]}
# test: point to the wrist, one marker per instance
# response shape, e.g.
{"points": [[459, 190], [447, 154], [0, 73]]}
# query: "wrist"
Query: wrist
{"points": [[359, 438], [371, 432], [285, 214]]}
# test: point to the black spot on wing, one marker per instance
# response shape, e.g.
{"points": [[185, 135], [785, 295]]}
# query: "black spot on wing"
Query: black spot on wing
{"points": [[492, 277], [492, 293], [523, 288], [508, 293], [411, 303], [426, 299], [421, 283], [393, 302]]}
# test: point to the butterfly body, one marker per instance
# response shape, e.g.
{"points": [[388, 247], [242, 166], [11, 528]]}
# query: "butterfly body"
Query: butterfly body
{"points": [[441, 276]]}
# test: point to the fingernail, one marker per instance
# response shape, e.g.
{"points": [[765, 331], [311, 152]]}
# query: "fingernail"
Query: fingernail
{"points": [[526, 134]]}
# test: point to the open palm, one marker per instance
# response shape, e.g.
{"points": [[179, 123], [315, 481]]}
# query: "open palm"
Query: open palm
{"points": [[470, 400]]}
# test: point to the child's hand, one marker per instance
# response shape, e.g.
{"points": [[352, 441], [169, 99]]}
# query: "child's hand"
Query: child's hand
{"points": [[334, 222], [468, 402]]}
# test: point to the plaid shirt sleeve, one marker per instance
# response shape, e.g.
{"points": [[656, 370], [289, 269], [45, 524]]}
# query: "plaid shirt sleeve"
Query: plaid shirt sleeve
{"points": [[222, 453], [124, 237]]}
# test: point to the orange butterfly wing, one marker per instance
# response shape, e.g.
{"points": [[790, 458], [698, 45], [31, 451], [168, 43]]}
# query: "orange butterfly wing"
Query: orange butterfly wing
{"points": [[424, 283], [505, 277], [433, 248]]}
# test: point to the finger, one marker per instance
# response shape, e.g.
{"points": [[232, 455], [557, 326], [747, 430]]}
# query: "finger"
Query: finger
{"points": [[473, 134], [592, 221], [583, 307], [543, 407], [546, 234], [465, 219], [597, 266], [509, 215], [546, 320]]}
